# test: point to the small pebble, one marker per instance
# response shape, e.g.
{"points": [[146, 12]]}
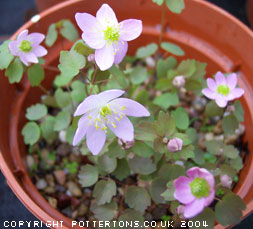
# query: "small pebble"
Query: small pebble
{"points": [[199, 103], [63, 200], [158, 212], [209, 136], [74, 189], [231, 139], [219, 137], [241, 130], [41, 184], [53, 202], [63, 149], [181, 163], [50, 180], [150, 61], [82, 210], [60, 176], [62, 136], [49, 190], [67, 211]]}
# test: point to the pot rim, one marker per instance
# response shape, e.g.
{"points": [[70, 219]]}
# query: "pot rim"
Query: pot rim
{"points": [[30, 204]]}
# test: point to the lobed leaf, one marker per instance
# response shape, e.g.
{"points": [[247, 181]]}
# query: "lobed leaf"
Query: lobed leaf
{"points": [[88, 175], [146, 51], [36, 112], [35, 74], [5, 55], [31, 133], [172, 48]]}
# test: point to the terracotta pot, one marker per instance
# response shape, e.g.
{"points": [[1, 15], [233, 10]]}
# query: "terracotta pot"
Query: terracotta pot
{"points": [[249, 9], [45, 4], [203, 30]]}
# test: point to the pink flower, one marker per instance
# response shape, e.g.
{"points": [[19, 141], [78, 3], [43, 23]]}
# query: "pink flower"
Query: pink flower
{"points": [[125, 144], [175, 144], [106, 110], [222, 89], [195, 191], [226, 181], [27, 47], [105, 34], [178, 81]]}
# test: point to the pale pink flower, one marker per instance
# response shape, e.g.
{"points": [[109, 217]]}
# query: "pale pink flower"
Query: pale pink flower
{"points": [[223, 89], [109, 37], [178, 81], [175, 144], [27, 47], [226, 181], [195, 191]]}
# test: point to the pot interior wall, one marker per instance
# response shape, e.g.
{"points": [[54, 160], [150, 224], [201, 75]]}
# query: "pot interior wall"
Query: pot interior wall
{"points": [[205, 33]]}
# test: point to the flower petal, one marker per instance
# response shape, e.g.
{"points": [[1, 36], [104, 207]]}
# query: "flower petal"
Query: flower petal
{"points": [[221, 101], [95, 139], [106, 16], [23, 59], [209, 93], [31, 57], [36, 38], [211, 84], [13, 47], [39, 51], [130, 29], [201, 172], [194, 208], [220, 79], [132, 108], [88, 104], [109, 95], [22, 35], [92, 30], [83, 125], [104, 57], [231, 81], [237, 92], [183, 191], [124, 129], [120, 50], [210, 198]]}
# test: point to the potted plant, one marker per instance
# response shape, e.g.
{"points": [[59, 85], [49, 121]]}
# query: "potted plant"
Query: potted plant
{"points": [[183, 149]]}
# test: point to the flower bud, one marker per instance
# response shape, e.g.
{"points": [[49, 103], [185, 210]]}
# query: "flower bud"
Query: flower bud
{"points": [[226, 180], [175, 144], [178, 81], [125, 144], [180, 210], [91, 58]]}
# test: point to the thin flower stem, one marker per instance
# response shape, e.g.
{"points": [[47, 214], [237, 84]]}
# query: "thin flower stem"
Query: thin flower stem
{"points": [[51, 68], [162, 22], [43, 89], [94, 78], [69, 92]]}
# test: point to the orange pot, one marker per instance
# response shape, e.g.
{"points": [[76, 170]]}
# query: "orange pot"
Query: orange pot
{"points": [[249, 9], [45, 4], [204, 31]]}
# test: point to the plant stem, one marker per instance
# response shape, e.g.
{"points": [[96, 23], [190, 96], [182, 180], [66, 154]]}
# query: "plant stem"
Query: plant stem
{"points": [[43, 89], [51, 68], [162, 23], [94, 78]]}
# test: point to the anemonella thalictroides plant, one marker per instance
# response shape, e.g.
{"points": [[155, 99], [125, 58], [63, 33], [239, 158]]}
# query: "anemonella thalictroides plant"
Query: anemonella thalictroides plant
{"points": [[151, 138]]}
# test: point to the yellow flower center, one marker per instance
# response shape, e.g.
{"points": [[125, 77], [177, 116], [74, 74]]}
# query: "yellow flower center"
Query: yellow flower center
{"points": [[106, 110], [25, 46], [111, 34], [223, 89], [199, 187]]}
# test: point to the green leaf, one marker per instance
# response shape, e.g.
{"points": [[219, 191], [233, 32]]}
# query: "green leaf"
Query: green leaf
{"points": [[107, 164], [192, 135], [187, 68], [70, 134], [82, 48], [47, 129], [164, 65], [206, 216], [69, 31], [130, 215], [104, 212], [104, 191], [146, 51], [158, 2], [165, 125], [78, 93], [158, 186], [36, 112], [228, 170], [166, 100], [159, 146], [239, 111], [71, 62], [31, 133], [172, 48], [145, 131], [62, 80], [236, 163], [102, 76], [171, 172], [62, 120], [35, 74], [88, 175], [141, 149], [181, 117], [187, 152], [212, 109], [139, 75], [123, 170], [175, 6], [49, 101], [51, 36], [5, 55], [14, 71], [230, 151], [137, 198], [168, 195], [62, 98], [115, 151], [229, 124], [142, 97], [214, 147], [228, 211], [119, 76], [136, 164]]}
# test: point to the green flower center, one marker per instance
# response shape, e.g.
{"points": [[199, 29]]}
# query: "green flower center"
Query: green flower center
{"points": [[25, 46], [199, 187], [223, 89], [111, 34], [104, 111]]}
